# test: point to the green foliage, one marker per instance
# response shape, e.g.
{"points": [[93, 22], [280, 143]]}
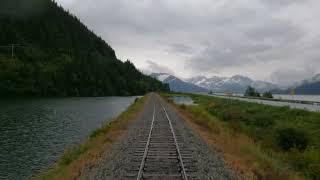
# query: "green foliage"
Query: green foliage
{"points": [[58, 56], [306, 161], [262, 120], [267, 94], [100, 131], [72, 154], [292, 134], [289, 138], [183, 106], [251, 92]]}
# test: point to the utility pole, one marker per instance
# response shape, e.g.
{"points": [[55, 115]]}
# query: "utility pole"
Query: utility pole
{"points": [[12, 47], [12, 50]]}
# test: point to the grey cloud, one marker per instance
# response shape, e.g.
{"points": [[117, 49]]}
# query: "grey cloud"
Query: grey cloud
{"points": [[209, 36], [153, 67], [140, 17], [247, 49], [280, 3], [286, 76], [278, 31], [213, 58], [180, 48]]}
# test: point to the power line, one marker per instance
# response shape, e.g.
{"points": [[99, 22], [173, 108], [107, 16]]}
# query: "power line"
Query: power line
{"points": [[13, 46]]}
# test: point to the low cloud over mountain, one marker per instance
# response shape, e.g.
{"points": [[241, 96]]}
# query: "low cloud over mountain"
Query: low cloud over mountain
{"points": [[269, 40]]}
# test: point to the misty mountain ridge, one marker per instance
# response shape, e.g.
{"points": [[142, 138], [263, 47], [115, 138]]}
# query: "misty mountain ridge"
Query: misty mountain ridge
{"points": [[308, 86], [176, 84], [238, 84], [235, 84]]}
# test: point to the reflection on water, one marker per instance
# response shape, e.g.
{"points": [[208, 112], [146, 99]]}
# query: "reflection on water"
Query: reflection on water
{"points": [[298, 97], [309, 107], [182, 100], [35, 132], [315, 98]]}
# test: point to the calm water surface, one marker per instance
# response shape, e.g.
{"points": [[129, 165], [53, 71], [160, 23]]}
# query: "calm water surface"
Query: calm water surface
{"points": [[298, 97], [183, 100], [315, 98], [35, 132], [309, 107]]}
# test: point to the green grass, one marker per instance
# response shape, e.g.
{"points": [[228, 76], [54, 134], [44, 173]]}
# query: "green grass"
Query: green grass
{"points": [[74, 159], [286, 138]]}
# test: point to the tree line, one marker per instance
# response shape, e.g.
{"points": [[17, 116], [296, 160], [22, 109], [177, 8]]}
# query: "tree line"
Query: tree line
{"points": [[57, 55], [252, 92]]}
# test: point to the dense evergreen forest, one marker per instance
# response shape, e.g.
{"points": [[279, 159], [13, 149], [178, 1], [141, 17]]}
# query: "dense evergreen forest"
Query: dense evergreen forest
{"points": [[54, 54]]}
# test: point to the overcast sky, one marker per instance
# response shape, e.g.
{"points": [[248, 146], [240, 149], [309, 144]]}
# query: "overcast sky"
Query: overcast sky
{"points": [[273, 40]]}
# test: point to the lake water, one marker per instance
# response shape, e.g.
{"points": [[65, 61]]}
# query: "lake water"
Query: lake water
{"points": [[35, 132], [298, 97], [182, 100], [315, 98], [309, 107]]}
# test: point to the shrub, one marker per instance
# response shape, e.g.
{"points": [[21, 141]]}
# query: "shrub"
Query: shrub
{"points": [[308, 162], [267, 94], [183, 106], [251, 92], [262, 120], [72, 154], [298, 112], [100, 131], [170, 100], [288, 138], [252, 110], [221, 114]]}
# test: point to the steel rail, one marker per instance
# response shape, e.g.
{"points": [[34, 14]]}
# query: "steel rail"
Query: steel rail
{"points": [[147, 146], [183, 171]]}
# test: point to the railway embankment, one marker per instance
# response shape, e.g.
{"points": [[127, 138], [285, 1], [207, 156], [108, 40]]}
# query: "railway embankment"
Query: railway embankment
{"points": [[160, 145], [259, 141]]}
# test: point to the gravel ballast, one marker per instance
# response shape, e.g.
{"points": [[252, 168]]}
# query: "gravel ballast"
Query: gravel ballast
{"points": [[122, 163]]}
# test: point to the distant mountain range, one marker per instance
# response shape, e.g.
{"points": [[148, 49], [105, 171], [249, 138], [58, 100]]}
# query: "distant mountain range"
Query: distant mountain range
{"points": [[235, 84], [308, 86], [176, 84]]}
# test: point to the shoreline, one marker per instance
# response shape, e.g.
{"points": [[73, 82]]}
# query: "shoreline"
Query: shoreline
{"points": [[73, 161], [270, 99]]}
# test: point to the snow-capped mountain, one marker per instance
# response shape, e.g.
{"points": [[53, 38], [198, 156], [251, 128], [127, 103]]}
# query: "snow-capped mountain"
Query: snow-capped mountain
{"points": [[236, 84], [177, 84]]}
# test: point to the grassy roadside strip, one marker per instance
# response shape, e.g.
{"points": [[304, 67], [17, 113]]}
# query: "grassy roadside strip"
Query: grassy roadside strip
{"points": [[239, 131], [87, 154]]}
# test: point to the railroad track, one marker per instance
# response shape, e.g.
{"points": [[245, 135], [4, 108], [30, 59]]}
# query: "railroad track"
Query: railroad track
{"points": [[157, 153]]}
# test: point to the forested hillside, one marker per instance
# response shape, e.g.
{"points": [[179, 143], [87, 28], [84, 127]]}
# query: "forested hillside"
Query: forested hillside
{"points": [[54, 54], [309, 88]]}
